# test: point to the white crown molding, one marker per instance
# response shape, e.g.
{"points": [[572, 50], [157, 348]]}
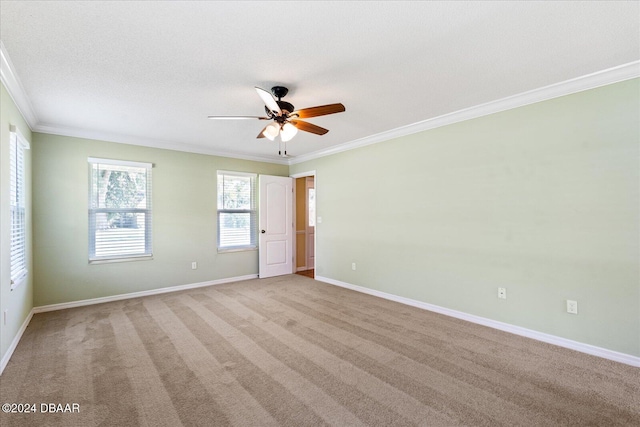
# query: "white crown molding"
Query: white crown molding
{"points": [[590, 81], [578, 84], [147, 142], [605, 353], [11, 81]]}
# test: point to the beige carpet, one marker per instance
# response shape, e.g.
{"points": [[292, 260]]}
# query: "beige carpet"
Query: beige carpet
{"points": [[291, 351]]}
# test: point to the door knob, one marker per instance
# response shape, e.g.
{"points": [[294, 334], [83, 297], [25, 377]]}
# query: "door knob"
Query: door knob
{"points": [[263, 231]]}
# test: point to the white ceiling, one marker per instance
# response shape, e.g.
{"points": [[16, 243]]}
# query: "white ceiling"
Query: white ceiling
{"points": [[150, 72]]}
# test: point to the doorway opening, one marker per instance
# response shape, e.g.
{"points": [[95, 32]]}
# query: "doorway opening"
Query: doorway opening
{"points": [[305, 224]]}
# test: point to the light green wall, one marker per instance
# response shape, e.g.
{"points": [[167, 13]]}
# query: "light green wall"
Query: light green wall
{"points": [[19, 302], [184, 221], [542, 199]]}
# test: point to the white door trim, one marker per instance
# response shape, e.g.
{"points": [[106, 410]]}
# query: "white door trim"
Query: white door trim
{"points": [[303, 174], [315, 240], [310, 261]]}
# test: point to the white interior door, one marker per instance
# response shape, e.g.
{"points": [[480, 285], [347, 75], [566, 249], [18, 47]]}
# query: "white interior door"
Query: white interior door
{"points": [[276, 226]]}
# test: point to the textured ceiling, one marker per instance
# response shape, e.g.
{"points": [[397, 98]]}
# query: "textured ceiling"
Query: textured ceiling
{"points": [[151, 72]]}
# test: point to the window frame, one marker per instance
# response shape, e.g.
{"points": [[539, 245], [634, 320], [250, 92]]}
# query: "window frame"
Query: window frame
{"points": [[252, 211], [148, 213], [17, 207]]}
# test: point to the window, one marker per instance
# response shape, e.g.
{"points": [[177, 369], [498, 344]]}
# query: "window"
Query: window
{"points": [[17, 204], [236, 211], [312, 207], [119, 210]]}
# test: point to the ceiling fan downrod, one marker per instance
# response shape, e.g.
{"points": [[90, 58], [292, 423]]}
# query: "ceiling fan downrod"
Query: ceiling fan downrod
{"points": [[279, 92], [286, 107]]}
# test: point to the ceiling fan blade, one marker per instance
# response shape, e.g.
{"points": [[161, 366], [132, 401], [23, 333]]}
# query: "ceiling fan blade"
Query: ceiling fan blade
{"points": [[237, 117], [269, 101], [321, 110], [308, 127], [261, 134]]}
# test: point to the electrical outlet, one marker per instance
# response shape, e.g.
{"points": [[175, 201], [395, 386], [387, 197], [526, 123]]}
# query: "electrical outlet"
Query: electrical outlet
{"points": [[502, 293], [353, 266], [194, 265], [572, 306]]}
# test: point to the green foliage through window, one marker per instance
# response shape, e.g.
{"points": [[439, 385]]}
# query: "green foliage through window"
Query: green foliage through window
{"points": [[120, 209], [236, 211]]}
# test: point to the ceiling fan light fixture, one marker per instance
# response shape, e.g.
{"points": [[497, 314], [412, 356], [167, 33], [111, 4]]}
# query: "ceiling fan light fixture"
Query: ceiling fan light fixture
{"points": [[271, 131], [285, 117], [288, 132]]}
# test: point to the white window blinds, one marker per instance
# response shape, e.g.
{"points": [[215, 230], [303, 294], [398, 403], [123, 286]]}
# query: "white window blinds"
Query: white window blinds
{"points": [[237, 214], [18, 208], [119, 209]]}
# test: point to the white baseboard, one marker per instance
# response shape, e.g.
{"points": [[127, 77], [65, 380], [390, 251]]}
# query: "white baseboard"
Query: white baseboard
{"points": [[15, 342], [81, 303], [303, 268], [517, 330], [65, 305]]}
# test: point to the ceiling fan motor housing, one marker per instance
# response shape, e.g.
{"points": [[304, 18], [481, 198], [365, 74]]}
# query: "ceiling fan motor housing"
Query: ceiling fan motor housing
{"points": [[284, 106], [288, 108]]}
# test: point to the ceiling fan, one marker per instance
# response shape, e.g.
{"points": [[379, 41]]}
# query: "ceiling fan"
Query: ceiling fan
{"points": [[285, 117]]}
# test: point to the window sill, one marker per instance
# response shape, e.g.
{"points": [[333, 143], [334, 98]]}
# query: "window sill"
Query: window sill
{"points": [[224, 251], [18, 282], [127, 259]]}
